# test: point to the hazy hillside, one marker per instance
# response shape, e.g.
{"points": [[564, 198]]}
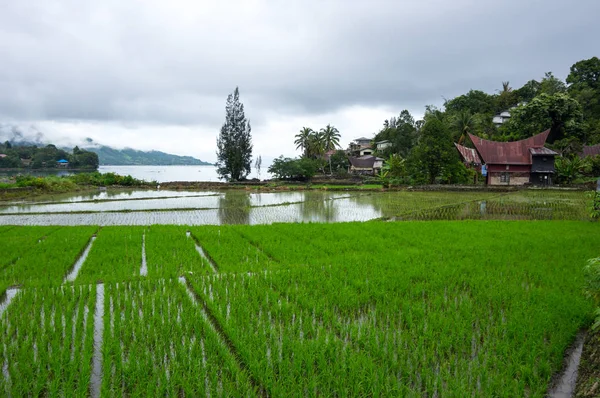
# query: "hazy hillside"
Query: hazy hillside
{"points": [[127, 157]]}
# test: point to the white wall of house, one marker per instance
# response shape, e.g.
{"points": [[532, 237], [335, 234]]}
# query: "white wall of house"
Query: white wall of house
{"points": [[382, 145]]}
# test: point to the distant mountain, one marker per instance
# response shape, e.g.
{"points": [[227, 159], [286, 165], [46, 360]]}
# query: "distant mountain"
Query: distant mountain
{"points": [[132, 157]]}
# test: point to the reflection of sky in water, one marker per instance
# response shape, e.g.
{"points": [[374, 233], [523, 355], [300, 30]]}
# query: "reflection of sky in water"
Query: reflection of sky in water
{"points": [[210, 200], [179, 203], [242, 207], [333, 211], [110, 195]]}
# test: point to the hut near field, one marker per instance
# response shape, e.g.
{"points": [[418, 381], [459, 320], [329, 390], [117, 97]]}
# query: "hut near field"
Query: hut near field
{"points": [[521, 162], [469, 156], [365, 164], [591, 150]]}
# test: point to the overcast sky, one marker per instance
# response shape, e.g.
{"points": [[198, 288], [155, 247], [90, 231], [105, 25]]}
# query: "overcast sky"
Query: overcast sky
{"points": [[155, 74]]}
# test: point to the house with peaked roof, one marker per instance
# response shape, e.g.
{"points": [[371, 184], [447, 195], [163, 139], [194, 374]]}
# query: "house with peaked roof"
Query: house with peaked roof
{"points": [[365, 164], [360, 147], [469, 156], [591, 150], [517, 163]]}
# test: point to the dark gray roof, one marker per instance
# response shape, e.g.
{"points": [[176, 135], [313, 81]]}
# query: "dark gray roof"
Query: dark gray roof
{"points": [[364, 162]]}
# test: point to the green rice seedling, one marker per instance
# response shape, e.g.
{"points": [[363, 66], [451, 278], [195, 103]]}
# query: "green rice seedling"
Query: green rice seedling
{"points": [[170, 253], [444, 292], [157, 344], [478, 308], [282, 348], [115, 256], [18, 241], [230, 251], [48, 261], [46, 342]]}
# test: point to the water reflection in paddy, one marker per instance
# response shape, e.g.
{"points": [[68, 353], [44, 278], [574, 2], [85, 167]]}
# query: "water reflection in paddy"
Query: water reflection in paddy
{"points": [[249, 207]]}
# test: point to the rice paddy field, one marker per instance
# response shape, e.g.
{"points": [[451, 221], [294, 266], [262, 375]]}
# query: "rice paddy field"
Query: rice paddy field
{"points": [[439, 308], [148, 207]]}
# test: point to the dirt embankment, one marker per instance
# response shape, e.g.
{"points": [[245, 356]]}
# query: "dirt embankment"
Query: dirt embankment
{"points": [[588, 380]]}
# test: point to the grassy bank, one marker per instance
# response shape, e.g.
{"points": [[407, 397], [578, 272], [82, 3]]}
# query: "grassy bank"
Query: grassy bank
{"points": [[361, 309], [27, 185]]}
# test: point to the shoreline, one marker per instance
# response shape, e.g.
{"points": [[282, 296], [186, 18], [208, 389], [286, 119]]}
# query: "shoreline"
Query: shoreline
{"points": [[11, 193]]}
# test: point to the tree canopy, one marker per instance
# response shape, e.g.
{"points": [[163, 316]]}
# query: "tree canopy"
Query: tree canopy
{"points": [[234, 144]]}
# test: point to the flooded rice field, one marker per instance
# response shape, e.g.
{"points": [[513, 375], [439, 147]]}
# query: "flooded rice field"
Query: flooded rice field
{"points": [[148, 207]]}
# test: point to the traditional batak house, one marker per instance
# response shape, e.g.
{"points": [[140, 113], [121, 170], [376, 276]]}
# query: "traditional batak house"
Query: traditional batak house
{"points": [[516, 163], [469, 156], [592, 150]]}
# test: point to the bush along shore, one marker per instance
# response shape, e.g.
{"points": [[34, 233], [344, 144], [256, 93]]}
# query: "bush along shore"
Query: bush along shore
{"points": [[27, 185]]}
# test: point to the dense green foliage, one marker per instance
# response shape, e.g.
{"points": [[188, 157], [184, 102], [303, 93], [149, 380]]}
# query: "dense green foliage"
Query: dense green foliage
{"points": [[46, 157], [571, 110], [434, 154], [329, 309], [592, 272], [234, 143], [74, 181], [294, 169]]}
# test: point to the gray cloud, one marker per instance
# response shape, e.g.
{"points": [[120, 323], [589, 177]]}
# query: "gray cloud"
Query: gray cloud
{"points": [[173, 63]]}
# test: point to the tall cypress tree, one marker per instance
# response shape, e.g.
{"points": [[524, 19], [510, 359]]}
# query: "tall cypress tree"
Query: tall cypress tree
{"points": [[234, 144]]}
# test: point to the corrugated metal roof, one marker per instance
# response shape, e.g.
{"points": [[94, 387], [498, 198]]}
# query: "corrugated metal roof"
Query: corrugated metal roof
{"points": [[363, 162], [516, 152], [469, 155], [542, 151], [592, 150]]}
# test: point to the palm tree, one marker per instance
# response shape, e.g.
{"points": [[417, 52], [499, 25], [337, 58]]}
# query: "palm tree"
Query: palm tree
{"points": [[464, 123], [303, 139], [331, 140], [316, 145], [506, 87]]}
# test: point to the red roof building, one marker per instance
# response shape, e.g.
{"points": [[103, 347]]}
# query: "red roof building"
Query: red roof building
{"points": [[469, 156], [592, 150], [516, 163]]}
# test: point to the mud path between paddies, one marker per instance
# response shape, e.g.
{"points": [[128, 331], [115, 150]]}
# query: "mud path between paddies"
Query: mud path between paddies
{"points": [[202, 253], [564, 386], [72, 275], [96, 374], [144, 267], [223, 338]]}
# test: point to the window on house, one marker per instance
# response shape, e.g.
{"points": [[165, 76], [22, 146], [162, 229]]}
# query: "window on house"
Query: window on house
{"points": [[505, 177]]}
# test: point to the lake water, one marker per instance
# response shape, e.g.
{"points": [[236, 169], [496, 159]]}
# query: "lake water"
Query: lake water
{"points": [[147, 207], [150, 173]]}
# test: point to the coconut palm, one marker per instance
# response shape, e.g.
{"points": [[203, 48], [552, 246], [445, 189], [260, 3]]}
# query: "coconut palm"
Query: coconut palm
{"points": [[331, 140], [506, 87], [464, 123], [303, 139], [316, 145]]}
